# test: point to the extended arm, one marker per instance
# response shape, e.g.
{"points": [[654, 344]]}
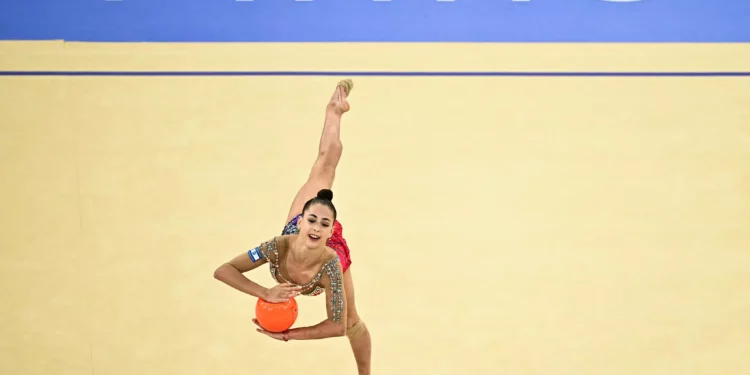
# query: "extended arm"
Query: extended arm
{"points": [[232, 274]]}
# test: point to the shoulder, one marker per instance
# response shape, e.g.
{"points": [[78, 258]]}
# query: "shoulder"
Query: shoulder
{"points": [[332, 270], [286, 239], [277, 244]]}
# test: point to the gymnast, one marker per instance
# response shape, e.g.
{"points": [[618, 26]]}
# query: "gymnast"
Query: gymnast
{"points": [[311, 256]]}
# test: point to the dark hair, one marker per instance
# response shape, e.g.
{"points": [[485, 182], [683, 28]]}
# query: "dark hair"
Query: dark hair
{"points": [[325, 197]]}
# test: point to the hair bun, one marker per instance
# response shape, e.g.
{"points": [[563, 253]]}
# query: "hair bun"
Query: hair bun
{"points": [[325, 194]]}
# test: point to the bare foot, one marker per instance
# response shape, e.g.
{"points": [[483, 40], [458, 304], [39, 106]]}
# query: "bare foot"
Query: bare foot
{"points": [[338, 104]]}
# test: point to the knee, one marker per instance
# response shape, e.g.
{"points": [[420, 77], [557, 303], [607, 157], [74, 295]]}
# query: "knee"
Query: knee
{"points": [[352, 320], [355, 329]]}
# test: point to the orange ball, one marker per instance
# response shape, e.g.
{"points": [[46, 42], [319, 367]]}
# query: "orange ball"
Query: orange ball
{"points": [[276, 317]]}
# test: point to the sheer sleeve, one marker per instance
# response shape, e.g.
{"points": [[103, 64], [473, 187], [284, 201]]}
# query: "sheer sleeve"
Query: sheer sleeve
{"points": [[334, 291]]}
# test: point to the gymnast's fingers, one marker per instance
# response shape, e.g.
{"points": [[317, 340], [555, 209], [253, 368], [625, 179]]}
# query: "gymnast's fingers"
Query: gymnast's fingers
{"points": [[291, 287]]}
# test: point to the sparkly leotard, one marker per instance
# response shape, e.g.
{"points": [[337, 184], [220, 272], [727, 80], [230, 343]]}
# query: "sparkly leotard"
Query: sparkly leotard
{"points": [[270, 251]]}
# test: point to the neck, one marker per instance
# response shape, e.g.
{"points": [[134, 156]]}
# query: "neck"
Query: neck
{"points": [[302, 253]]}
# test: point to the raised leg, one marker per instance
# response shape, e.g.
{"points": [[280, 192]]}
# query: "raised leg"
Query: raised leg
{"points": [[330, 148], [357, 332]]}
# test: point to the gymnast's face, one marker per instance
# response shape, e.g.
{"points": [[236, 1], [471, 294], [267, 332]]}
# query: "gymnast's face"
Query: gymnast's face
{"points": [[316, 225]]}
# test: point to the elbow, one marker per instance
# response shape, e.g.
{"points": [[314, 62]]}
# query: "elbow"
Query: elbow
{"points": [[220, 272], [340, 330], [330, 328]]}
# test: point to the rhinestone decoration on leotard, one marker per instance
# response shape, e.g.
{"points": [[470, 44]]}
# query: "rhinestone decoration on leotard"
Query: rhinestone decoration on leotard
{"points": [[273, 263], [314, 281], [330, 268], [291, 227], [337, 300]]}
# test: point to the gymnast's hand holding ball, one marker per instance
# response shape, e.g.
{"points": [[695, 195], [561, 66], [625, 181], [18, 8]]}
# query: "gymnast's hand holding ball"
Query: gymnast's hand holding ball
{"points": [[282, 293], [275, 335], [277, 311]]}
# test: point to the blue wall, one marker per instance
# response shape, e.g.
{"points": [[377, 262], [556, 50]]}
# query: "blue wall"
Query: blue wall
{"points": [[367, 20]]}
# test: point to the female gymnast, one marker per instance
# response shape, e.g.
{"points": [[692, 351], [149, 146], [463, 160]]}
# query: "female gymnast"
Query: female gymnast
{"points": [[311, 256]]}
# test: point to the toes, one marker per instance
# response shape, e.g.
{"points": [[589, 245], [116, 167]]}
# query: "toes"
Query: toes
{"points": [[347, 84]]}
